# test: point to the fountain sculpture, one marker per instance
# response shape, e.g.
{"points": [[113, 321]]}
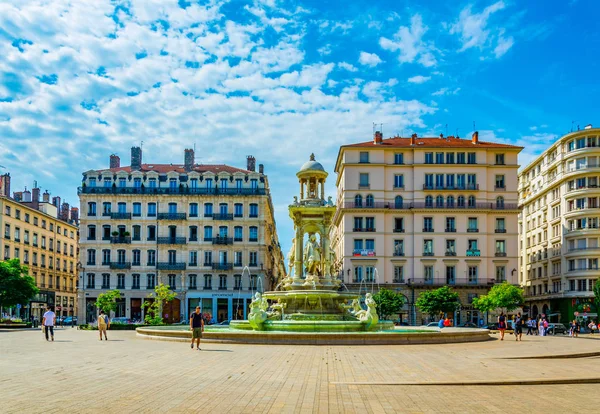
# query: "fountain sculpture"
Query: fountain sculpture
{"points": [[310, 297]]}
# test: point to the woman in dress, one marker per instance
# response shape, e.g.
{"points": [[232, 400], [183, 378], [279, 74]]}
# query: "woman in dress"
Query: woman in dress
{"points": [[502, 325]]}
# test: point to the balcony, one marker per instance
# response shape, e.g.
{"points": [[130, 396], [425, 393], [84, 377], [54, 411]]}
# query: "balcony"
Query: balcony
{"points": [[466, 187], [500, 254], [120, 216], [363, 229], [171, 240], [472, 230], [455, 282], [224, 216], [451, 230], [398, 230], [120, 265], [363, 252], [170, 266], [473, 252], [193, 239], [450, 253], [398, 254], [398, 280], [427, 230], [427, 253], [500, 231], [578, 249], [222, 287], [121, 240], [171, 216], [222, 240], [163, 190], [222, 266]]}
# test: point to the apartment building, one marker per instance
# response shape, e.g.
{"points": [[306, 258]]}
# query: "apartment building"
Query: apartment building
{"points": [[207, 231], [45, 240], [419, 213], [559, 232]]}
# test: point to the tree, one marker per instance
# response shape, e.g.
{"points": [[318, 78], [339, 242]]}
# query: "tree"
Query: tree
{"points": [[107, 301], [388, 302], [439, 300], [162, 294], [504, 295], [16, 286]]}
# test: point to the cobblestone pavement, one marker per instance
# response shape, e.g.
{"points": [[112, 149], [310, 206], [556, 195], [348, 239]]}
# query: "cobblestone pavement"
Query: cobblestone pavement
{"points": [[78, 373]]}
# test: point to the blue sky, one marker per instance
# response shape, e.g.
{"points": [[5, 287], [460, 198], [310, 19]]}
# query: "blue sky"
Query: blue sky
{"points": [[281, 79]]}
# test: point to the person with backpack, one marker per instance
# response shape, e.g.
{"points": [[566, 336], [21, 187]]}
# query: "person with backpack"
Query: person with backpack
{"points": [[197, 327], [103, 324], [502, 325], [518, 327]]}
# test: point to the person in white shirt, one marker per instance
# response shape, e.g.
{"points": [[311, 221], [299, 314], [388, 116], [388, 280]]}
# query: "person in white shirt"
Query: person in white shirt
{"points": [[48, 323]]}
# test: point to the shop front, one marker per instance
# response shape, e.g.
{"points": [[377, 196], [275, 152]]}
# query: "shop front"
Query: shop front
{"points": [[219, 307], [38, 305]]}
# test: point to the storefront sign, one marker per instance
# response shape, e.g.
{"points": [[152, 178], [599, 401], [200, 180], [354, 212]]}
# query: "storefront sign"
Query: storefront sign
{"points": [[222, 295]]}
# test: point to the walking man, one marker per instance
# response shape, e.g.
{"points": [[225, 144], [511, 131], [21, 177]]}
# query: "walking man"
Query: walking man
{"points": [[103, 324], [48, 322], [518, 327], [197, 327], [530, 326]]}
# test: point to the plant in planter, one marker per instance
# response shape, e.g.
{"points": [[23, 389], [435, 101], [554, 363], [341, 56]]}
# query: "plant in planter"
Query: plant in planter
{"points": [[115, 233], [126, 234]]}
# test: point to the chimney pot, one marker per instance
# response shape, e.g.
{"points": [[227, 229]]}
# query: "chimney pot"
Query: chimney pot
{"points": [[188, 159], [115, 161], [378, 138], [475, 138], [442, 136], [136, 158], [261, 168], [250, 163], [46, 197]]}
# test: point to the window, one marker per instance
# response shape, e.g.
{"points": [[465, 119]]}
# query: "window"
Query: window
{"points": [[439, 157], [499, 202], [207, 258], [137, 232], [151, 209], [471, 201], [399, 181], [172, 208], [151, 233], [370, 224], [91, 209], [91, 281], [358, 274], [369, 201], [223, 183], [358, 223], [500, 248], [137, 182], [499, 159], [398, 202], [472, 247], [208, 233], [500, 273], [27, 218], [439, 201], [172, 282], [208, 209], [460, 157], [237, 281], [193, 233], [500, 225], [398, 247], [106, 210], [450, 275], [427, 247], [450, 224], [398, 274], [151, 258], [105, 281], [172, 183], [428, 273], [253, 234], [193, 258], [450, 247], [237, 258], [207, 282], [136, 259], [471, 158], [238, 233], [450, 201], [473, 272], [17, 234], [91, 257], [472, 225], [223, 230], [429, 158], [253, 259], [398, 224], [150, 281], [222, 282], [120, 281], [137, 209], [364, 157], [238, 210], [193, 280], [358, 200], [253, 210], [92, 182], [135, 282], [500, 181], [363, 180], [370, 273], [428, 224], [152, 182], [398, 158]]}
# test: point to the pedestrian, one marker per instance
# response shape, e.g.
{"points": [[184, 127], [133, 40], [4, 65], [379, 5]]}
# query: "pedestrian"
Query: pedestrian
{"points": [[530, 326], [575, 328], [441, 323], [534, 325], [518, 327], [502, 325], [447, 323], [103, 324], [592, 326], [48, 322], [197, 327]]}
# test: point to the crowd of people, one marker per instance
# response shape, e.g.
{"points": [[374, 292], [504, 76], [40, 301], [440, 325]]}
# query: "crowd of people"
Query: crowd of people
{"points": [[537, 326]]}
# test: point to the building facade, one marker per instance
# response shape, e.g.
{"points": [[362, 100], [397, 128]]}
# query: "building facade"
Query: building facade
{"points": [[559, 231], [207, 231], [418, 213], [46, 244]]}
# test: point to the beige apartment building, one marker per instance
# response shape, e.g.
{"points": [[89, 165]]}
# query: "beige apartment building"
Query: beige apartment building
{"points": [[207, 231], [559, 226], [419, 213], [45, 240]]}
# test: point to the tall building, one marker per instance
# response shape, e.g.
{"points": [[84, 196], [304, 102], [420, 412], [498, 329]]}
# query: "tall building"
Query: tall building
{"points": [[559, 226], [418, 213], [207, 231], [45, 243]]}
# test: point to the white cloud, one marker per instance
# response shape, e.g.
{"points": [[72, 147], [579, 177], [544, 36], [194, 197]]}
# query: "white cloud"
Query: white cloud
{"points": [[347, 66], [408, 41], [369, 59], [419, 79], [324, 50], [446, 91], [475, 32]]}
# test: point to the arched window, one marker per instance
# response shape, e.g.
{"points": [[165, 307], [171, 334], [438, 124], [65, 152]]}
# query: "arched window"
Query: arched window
{"points": [[439, 201], [471, 201], [461, 201], [499, 202], [450, 201], [429, 201], [358, 200], [369, 200], [398, 202]]}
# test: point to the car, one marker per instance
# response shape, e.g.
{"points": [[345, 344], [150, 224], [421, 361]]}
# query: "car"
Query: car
{"points": [[556, 328], [494, 327], [432, 325], [468, 325], [70, 320], [125, 321]]}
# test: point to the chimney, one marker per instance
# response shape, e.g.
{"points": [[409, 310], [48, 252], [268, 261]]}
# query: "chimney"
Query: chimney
{"points": [[115, 161], [136, 158], [56, 202], [261, 168], [475, 139], [413, 139], [64, 212], [251, 163], [75, 214], [35, 198], [441, 136], [5, 185], [27, 196], [378, 138], [18, 196], [46, 197], [188, 159]]}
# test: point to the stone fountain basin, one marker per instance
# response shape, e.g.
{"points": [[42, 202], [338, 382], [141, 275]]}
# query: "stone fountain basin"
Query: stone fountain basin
{"points": [[291, 325], [310, 293]]}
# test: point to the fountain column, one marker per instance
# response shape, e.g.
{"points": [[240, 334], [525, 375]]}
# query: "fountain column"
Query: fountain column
{"points": [[299, 254]]}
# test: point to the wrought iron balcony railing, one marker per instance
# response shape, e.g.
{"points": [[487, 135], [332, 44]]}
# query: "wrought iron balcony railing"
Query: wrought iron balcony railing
{"points": [[171, 240], [171, 216], [170, 266]]}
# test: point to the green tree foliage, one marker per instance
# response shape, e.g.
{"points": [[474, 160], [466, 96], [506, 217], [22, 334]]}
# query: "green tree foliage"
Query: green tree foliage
{"points": [[388, 302], [439, 300], [503, 296], [107, 301], [16, 286], [162, 294]]}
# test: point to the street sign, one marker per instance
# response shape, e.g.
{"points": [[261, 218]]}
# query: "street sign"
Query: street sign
{"points": [[18, 306]]}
